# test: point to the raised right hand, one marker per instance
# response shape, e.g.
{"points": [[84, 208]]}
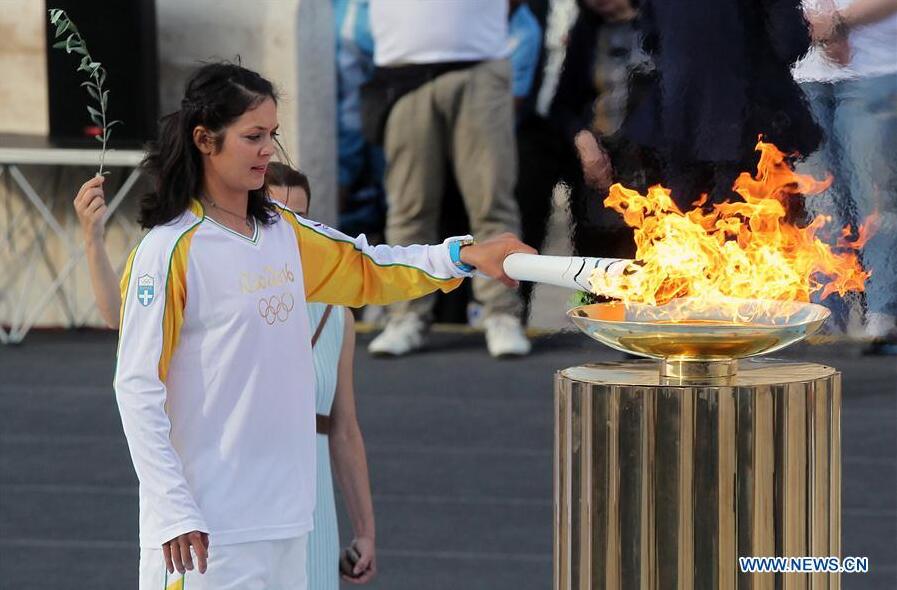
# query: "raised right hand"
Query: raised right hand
{"points": [[90, 205], [177, 552], [597, 170]]}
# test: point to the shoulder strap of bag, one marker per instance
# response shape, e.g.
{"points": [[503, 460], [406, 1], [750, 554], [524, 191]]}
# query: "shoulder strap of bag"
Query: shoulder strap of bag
{"points": [[314, 339]]}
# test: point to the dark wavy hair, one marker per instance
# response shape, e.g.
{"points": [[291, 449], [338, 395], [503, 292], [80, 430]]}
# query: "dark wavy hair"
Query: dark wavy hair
{"points": [[216, 95]]}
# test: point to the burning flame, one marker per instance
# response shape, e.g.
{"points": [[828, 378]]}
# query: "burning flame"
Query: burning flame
{"points": [[735, 251]]}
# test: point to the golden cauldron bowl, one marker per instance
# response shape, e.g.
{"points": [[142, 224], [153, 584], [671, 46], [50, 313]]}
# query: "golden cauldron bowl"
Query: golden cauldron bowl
{"points": [[694, 342]]}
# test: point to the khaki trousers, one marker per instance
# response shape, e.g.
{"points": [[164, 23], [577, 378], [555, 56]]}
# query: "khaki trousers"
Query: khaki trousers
{"points": [[462, 122]]}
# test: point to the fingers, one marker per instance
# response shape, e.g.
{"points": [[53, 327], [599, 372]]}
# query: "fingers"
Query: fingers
{"points": [[93, 183], [95, 205], [180, 554], [364, 561], [186, 556], [176, 557], [166, 553], [361, 576], [522, 249], [369, 574], [200, 543], [84, 200]]}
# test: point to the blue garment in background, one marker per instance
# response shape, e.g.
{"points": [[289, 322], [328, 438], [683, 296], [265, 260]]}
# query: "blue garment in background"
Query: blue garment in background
{"points": [[525, 38], [355, 66], [361, 165]]}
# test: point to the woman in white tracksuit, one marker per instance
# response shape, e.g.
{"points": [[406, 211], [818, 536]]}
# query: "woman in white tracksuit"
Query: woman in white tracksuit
{"points": [[214, 376], [333, 347]]}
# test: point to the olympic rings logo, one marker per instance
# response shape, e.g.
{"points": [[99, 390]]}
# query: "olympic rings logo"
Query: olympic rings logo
{"points": [[276, 308]]}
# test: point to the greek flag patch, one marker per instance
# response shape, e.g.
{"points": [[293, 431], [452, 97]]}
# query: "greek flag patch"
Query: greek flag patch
{"points": [[146, 291]]}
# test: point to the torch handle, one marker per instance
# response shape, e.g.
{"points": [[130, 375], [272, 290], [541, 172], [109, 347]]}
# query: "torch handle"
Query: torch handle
{"points": [[571, 272]]}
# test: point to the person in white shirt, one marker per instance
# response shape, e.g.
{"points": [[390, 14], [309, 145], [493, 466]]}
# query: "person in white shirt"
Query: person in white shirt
{"points": [[340, 446], [214, 378], [850, 78], [443, 83]]}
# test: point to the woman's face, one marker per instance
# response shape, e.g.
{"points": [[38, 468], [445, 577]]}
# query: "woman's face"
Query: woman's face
{"points": [[245, 148], [291, 197]]}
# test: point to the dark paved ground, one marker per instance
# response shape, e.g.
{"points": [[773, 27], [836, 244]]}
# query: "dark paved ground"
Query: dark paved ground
{"points": [[460, 453]]}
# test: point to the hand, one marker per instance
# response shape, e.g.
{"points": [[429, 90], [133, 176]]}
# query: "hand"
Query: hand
{"points": [[366, 567], [822, 25], [837, 50], [488, 256], [177, 552], [90, 205], [596, 167]]}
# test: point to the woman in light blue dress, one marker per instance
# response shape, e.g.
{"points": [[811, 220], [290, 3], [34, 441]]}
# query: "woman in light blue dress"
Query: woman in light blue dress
{"points": [[340, 453]]}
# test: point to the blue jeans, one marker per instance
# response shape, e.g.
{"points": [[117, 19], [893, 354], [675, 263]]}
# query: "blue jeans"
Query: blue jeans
{"points": [[859, 118]]}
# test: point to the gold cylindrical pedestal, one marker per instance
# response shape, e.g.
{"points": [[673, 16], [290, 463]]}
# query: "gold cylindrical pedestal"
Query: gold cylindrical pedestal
{"points": [[663, 485]]}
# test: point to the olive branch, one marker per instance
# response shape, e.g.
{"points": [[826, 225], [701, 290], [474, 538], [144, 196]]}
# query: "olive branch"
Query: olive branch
{"points": [[74, 43]]}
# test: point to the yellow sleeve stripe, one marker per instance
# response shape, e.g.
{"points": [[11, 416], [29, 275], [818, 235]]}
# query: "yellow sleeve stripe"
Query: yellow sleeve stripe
{"points": [[175, 299], [338, 272], [123, 285]]}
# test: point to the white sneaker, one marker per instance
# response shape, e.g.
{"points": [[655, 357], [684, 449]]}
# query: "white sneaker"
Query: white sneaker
{"points": [[505, 336], [880, 326], [403, 334]]}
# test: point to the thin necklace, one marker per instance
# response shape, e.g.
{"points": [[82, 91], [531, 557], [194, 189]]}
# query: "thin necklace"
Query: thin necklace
{"points": [[217, 207]]}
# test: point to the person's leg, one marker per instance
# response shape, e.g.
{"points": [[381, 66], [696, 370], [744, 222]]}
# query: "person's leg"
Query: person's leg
{"points": [[480, 112], [834, 202], [826, 160], [414, 179], [289, 570], [866, 124]]}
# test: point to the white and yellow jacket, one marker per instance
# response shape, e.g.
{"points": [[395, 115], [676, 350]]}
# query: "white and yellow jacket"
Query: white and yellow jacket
{"points": [[214, 379]]}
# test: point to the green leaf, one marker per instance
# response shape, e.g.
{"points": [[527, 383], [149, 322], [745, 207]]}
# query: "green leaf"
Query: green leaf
{"points": [[55, 13], [94, 113], [99, 138], [62, 27], [112, 124], [79, 49], [89, 83], [60, 45], [93, 93], [102, 77], [105, 99]]}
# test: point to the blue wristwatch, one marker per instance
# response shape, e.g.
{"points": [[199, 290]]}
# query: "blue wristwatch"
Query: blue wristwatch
{"points": [[455, 253]]}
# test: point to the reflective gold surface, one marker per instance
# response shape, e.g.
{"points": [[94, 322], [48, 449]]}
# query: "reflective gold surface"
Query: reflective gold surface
{"points": [[702, 335], [664, 486]]}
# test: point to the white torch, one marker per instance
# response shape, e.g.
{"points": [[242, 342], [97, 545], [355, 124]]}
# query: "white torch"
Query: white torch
{"points": [[572, 272]]}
